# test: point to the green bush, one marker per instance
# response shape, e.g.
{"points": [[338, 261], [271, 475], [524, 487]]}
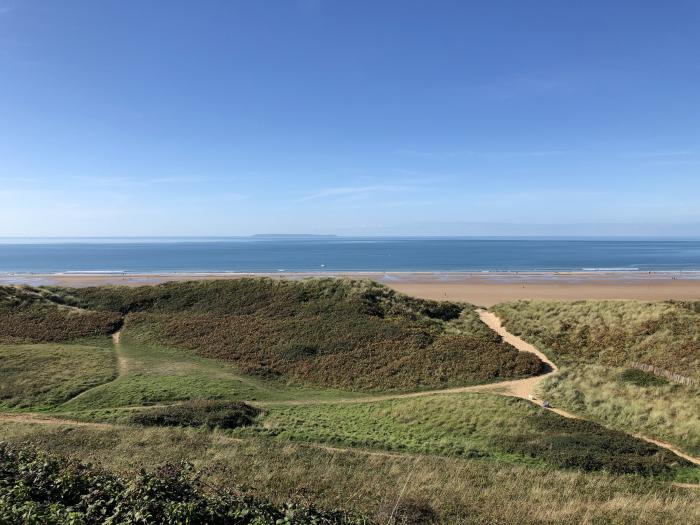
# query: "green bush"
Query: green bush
{"points": [[36, 488], [213, 414], [641, 378], [582, 444]]}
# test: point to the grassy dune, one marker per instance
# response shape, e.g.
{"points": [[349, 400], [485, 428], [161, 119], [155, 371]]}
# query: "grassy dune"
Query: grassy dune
{"points": [[598, 342], [35, 315], [611, 333], [352, 335]]}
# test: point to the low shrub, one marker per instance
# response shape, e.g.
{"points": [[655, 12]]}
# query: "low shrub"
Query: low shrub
{"points": [[37, 488], [581, 444], [641, 378], [213, 414]]}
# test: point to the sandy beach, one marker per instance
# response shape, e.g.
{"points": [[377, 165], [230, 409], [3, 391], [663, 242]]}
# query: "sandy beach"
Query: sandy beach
{"points": [[483, 289]]}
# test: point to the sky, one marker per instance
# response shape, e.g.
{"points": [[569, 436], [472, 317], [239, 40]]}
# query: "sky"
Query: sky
{"points": [[216, 118]]}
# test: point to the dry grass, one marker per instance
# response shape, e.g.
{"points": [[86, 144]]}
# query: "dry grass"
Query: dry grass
{"points": [[451, 490]]}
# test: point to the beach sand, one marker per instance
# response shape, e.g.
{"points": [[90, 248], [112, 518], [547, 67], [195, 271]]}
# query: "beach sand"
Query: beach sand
{"points": [[484, 289]]}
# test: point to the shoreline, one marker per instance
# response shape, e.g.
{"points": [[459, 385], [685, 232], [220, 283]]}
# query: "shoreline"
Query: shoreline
{"points": [[481, 288]]}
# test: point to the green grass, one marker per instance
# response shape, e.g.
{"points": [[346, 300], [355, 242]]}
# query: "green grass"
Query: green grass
{"points": [[43, 376], [472, 425], [596, 343], [159, 375]]}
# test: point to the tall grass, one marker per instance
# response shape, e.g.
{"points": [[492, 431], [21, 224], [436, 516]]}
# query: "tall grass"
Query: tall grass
{"points": [[597, 344]]}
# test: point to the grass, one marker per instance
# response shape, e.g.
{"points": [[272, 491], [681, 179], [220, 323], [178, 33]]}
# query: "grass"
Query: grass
{"points": [[597, 342], [331, 333], [153, 375], [43, 376], [307, 354], [611, 333], [654, 408], [472, 425], [446, 489]]}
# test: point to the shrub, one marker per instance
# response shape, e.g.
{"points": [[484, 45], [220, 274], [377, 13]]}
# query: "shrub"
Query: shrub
{"points": [[577, 443], [213, 414], [641, 378], [42, 489]]}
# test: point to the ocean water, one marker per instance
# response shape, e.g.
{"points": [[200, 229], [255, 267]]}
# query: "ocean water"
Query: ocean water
{"points": [[263, 254]]}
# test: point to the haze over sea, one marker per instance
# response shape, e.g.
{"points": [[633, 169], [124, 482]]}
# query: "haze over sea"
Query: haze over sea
{"points": [[266, 254]]}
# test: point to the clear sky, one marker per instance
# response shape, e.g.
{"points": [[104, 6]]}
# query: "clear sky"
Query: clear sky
{"points": [[349, 117]]}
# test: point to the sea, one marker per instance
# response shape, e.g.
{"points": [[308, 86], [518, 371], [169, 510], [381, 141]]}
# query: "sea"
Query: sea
{"points": [[268, 254]]}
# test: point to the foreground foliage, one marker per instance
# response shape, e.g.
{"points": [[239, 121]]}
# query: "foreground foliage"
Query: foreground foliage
{"points": [[37, 488], [418, 489]]}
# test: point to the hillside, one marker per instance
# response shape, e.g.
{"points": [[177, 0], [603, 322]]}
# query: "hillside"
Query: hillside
{"points": [[355, 335]]}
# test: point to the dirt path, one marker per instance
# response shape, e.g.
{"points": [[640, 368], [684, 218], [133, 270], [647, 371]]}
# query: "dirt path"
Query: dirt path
{"points": [[41, 419]]}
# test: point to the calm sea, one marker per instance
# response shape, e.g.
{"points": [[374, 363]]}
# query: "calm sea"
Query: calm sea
{"points": [[344, 254]]}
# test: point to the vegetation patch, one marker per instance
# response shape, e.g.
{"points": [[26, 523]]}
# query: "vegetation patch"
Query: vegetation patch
{"points": [[34, 315], [665, 335], [42, 376], [652, 407], [40, 488], [576, 443], [641, 378], [197, 413], [352, 335], [474, 425]]}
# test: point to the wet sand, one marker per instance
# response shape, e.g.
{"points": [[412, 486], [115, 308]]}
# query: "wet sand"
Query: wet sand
{"points": [[483, 289]]}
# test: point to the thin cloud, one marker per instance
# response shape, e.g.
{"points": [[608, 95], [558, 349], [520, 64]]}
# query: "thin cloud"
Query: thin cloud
{"points": [[662, 153], [431, 155], [534, 153], [346, 191]]}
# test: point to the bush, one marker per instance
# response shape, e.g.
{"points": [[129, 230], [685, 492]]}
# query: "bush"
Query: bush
{"points": [[577, 443], [36, 488], [213, 414], [641, 378]]}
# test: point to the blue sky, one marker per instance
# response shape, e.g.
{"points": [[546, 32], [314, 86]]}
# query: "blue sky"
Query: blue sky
{"points": [[364, 117]]}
